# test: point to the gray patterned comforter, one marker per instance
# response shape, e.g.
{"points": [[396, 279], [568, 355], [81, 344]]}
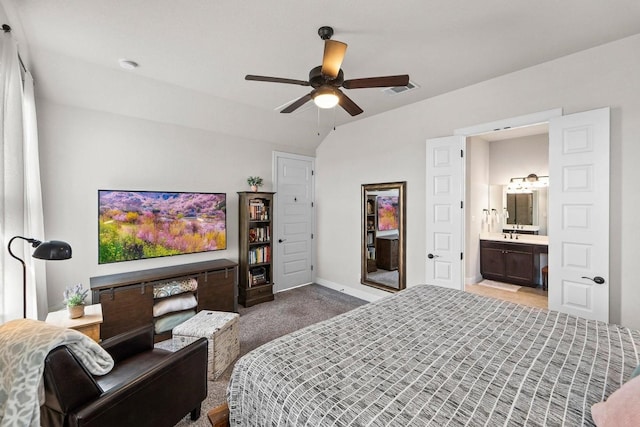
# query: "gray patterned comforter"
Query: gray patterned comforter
{"points": [[434, 356]]}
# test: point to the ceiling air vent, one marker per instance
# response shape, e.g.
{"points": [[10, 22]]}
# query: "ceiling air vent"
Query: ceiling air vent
{"points": [[400, 89]]}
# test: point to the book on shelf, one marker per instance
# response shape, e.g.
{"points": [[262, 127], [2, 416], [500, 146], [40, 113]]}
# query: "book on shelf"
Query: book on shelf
{"points": [[260, 234], [260, 255], [258, 211], [258, 276]]}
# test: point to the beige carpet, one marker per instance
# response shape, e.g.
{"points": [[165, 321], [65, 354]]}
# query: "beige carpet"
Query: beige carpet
{"points": [[500, 285], [290, 311]]}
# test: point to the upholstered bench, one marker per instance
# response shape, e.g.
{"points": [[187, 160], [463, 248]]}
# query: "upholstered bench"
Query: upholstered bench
{"points": [[221, 331]]}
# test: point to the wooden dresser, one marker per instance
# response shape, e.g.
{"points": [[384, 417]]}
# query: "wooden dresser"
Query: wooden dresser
{"points": [[387, 252]]}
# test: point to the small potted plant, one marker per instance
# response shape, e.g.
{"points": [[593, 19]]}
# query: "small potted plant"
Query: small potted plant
{"points": [[254, 182], [74, 299]]}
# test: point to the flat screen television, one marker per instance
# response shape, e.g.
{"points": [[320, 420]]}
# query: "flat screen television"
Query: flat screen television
{"points": [[147, 224]]}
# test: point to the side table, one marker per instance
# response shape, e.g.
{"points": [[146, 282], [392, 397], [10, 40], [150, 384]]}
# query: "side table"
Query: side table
{"points": [[89, 324]]}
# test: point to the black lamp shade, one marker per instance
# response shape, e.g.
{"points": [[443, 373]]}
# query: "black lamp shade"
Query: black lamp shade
{"points": [[53, 250]]}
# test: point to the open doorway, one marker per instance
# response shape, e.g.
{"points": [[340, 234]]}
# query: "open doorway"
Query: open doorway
{"points": [[578, 261], [506, 230]]}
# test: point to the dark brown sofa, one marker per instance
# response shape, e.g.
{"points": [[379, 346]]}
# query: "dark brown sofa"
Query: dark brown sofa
{"points": [[147, 386]]}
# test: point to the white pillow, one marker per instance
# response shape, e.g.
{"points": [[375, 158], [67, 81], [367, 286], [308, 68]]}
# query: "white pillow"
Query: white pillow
{"points": [[177, 303]]}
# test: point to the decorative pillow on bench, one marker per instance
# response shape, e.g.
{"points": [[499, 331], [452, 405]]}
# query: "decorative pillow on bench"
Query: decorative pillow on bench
{"points": [[169, 322], [176, 303], [174, 287]]}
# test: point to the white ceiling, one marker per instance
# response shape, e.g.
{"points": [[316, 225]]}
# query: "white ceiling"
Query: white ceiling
{"points": [[194, 54]]}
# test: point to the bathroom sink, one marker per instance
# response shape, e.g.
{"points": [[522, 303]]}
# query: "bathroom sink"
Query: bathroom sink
{"points": [[532, 239]]}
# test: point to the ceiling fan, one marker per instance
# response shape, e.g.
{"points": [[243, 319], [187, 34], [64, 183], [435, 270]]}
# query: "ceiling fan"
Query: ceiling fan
{"points": [[327, 79]]}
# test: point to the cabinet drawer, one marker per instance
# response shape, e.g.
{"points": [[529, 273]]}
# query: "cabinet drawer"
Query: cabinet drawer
{"points": [[507, 246], [257, 294], [257, 291]]}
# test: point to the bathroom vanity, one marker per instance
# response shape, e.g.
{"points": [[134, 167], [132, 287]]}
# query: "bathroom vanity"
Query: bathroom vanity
{"points": [[512, 257]]}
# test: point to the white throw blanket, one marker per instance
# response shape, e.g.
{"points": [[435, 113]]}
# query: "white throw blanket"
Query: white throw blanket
{"points": [[24, 344]]}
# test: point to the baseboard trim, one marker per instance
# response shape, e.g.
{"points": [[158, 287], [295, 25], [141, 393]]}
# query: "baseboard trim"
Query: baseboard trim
{"points": [[293, 287], [473, 280], [349, 290]]}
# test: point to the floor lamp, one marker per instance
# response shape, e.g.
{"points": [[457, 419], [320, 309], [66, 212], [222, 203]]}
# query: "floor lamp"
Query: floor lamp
{"points": [[52, 250]]}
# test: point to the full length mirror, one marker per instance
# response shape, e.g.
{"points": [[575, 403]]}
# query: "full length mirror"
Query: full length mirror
{"points": [[383, 236]]}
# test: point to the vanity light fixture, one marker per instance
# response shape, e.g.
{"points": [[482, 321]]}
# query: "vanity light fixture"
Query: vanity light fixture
{"points": [[527, 184]]}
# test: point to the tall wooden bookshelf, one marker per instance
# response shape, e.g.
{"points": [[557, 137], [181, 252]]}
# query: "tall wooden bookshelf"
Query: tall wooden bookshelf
{"points": [[255, 275]]}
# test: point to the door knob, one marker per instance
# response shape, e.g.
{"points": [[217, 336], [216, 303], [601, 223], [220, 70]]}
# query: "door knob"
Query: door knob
{"points": [[282, 240], [599, 280], [431, 256]]}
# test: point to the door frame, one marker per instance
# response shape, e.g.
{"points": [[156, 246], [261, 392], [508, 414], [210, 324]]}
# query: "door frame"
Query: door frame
{"points": [[276, 222], [503, 124]]}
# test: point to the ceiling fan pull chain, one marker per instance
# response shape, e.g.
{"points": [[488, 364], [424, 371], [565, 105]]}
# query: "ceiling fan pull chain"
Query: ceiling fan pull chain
{"points": [[334, 119], [318, 121]]}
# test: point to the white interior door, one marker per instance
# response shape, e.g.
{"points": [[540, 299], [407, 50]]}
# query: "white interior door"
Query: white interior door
{"points": [[294, 221], [579, 214], [444, 211]]}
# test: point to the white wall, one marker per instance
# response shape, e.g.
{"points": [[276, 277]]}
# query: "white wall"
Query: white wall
{"points": [[391, 147], [518, 157], [477, 199], [82, 151]]}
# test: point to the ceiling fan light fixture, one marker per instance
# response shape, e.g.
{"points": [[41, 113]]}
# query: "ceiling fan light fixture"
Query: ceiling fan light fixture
{"points": [[325, 97]]}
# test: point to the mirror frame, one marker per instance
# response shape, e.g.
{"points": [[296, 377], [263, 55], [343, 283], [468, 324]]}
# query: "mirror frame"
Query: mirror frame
{"points": [[401, 187]]}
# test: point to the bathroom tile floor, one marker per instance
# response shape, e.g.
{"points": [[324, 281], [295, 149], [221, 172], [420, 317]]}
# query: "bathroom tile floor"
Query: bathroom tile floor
{"points": [[532, 297]]}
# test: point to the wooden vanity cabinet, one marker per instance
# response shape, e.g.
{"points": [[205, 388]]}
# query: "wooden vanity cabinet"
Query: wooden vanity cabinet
{"points": [[509, 262]]}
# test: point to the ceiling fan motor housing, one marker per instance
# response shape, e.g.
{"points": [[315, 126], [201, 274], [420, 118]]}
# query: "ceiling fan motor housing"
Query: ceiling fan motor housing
{"points": [[325, 32], [317, 79]]}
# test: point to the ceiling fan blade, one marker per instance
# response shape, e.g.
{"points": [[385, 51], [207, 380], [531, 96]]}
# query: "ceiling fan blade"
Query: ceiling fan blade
{"points": [[298, 103], [385, 81], [333, 56], [346, 103], [276, 80]]}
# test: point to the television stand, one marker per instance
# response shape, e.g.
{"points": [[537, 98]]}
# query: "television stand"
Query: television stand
{"points": [[127, 298]]}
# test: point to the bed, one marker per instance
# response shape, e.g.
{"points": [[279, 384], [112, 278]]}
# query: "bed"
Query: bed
{"points": [[434, 356]]}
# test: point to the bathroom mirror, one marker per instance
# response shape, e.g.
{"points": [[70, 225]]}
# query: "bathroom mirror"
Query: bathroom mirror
{"points": [[383, 236], [518, 208]]}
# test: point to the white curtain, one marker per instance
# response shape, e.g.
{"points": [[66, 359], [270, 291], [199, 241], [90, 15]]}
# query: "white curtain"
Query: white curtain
{"points": [[21, 211]]}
